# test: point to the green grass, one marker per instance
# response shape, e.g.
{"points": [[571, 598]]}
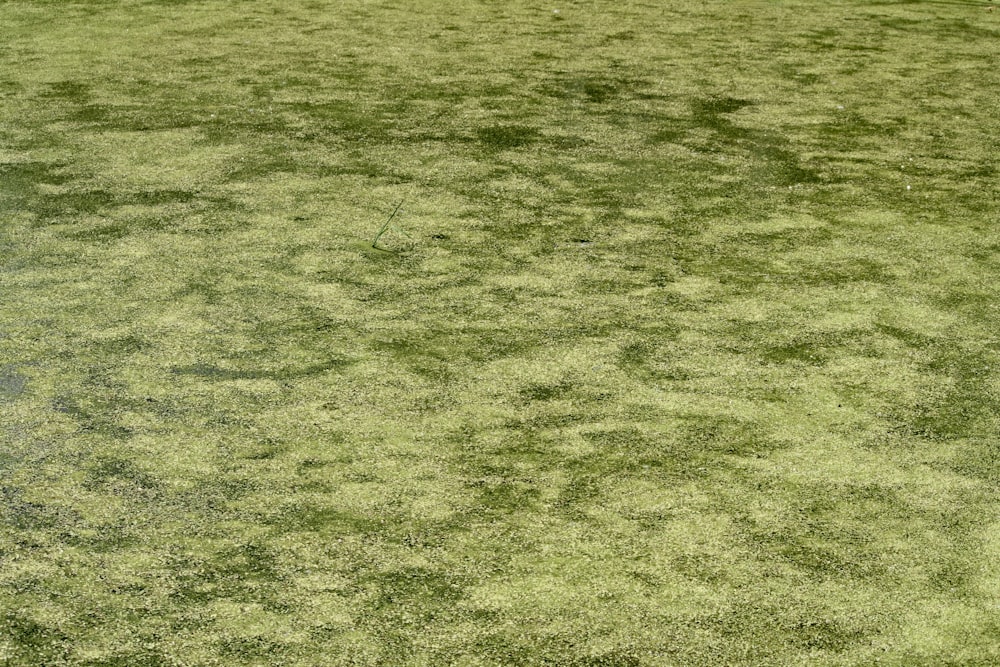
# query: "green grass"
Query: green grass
{"points": [[685, 352]]}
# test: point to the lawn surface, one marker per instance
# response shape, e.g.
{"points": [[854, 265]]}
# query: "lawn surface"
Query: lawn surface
{"points": [[682, 348]]}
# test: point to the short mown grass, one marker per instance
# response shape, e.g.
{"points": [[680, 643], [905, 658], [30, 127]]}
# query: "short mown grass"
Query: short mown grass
{"points": [[684, 350]]}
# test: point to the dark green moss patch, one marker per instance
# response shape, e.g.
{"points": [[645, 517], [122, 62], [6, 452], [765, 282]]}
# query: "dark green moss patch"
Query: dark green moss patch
{"points": [[709, 109], [118, 475], [326, 519], [545, 391], [75, 91], [503, 137], [96, 414], [504, 494], [213, 372], [12, 383], [19, 183], [138, 658], [69, 204], [23, 514], [400, 591], [32, 642], [245, 572]]}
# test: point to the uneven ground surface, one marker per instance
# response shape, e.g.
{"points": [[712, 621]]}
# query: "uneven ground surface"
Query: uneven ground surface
{"points": [[682, 348]]}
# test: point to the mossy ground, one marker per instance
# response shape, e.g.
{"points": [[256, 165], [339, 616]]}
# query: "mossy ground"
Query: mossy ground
{"points": [[682, 349]]}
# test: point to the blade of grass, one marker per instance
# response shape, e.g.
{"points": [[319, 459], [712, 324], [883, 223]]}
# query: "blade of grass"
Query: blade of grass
{"points": [[385, 226]]}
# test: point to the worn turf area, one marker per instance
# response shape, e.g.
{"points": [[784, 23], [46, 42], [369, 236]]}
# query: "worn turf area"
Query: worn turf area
{"points": [[682, 348]]}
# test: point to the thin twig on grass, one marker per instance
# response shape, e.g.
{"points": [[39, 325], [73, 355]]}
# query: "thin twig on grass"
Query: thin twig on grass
{"points": [[385, 226]]}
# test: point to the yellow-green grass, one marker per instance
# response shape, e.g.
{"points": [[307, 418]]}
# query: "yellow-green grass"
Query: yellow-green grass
{"points": [[681, 350]]}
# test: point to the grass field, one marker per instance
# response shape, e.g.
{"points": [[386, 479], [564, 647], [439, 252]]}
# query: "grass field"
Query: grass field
{"points": [[681, 349]]}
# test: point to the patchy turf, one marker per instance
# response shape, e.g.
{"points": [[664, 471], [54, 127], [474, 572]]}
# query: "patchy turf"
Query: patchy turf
{"points": [[681, 350]]}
